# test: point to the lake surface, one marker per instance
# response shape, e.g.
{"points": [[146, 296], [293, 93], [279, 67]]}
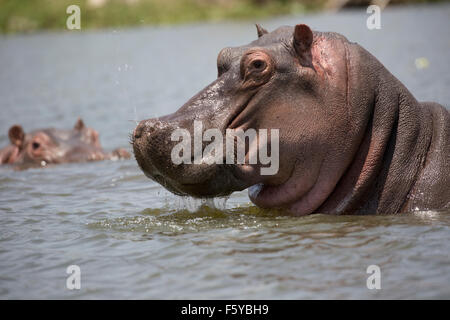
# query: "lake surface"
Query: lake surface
{"points": [[133, 239]]}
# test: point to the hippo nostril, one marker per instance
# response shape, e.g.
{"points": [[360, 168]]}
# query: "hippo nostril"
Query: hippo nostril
{"points": [[146, 126], [139, 130]]}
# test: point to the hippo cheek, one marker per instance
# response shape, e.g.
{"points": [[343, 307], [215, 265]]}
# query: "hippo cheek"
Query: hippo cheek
{"points": [[301, 155]]}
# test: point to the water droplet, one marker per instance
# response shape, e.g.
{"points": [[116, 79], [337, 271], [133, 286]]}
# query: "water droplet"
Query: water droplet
{"points": [[422, 63]]}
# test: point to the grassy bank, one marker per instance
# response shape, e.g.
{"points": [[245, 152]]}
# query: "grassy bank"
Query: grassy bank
{"points": [[31, 15]]}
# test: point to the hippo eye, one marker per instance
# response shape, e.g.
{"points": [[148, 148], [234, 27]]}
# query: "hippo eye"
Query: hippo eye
{"points": [[36, 145], [258, 64], [256, 68]]}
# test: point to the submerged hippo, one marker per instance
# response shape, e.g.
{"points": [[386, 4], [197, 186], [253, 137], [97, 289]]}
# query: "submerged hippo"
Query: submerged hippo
{"points": [[51, 146], [352, 138]]}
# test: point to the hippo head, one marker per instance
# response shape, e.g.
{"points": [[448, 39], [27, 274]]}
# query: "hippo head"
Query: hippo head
{"points": [[293, 80], [50, 146]]}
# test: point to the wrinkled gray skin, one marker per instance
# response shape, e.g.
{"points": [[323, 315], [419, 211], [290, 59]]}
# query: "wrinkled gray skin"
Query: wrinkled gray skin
{"points": [[51, 146], [353, 139]]}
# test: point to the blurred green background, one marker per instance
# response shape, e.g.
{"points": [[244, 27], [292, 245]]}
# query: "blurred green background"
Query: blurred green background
{"points": [[31, 15]]}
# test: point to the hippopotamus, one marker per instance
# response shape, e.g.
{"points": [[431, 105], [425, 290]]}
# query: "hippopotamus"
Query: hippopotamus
{"points": [[352, 138], [51, 146]]}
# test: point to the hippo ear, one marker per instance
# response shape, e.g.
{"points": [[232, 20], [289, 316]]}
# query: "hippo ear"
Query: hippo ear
{"points": [[261, 31], [303, 38], [79, 125], [16, 135]]}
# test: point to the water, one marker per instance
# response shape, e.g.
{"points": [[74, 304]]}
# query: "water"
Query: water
{"points": [[132, 239]]}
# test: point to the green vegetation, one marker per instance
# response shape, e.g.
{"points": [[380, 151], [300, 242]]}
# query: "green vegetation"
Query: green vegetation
{"points": [[31, 15]]}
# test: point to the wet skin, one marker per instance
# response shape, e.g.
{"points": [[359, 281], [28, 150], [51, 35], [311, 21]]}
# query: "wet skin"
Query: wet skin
{"points": [[51, 146], [353, 139]]}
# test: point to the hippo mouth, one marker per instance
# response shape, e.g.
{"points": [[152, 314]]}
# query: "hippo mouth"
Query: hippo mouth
{"points": [[206, 181], [209, 188]]}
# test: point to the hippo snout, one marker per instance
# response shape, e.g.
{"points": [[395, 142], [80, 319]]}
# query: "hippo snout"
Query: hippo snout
{"points": [[156, 145], [152, 148], [147, 127], [151, 141], [150, 138], [137, 133]]}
